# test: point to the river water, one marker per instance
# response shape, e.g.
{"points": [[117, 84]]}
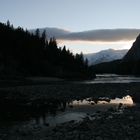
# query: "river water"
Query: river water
{"points": [[113, 78], [80, 109], [77, 110]]}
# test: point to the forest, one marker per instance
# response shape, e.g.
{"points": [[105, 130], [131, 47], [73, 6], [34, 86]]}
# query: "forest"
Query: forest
{"points": [[26, 54]]}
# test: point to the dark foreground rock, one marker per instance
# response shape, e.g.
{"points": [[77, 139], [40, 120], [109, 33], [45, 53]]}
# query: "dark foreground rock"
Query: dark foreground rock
{"points": [[108, 125]]}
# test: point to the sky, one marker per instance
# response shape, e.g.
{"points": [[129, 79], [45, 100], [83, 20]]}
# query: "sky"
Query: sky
{"points": [[79, 18]]}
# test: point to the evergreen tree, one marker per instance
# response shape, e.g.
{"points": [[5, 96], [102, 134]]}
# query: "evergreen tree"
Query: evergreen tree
{"points": [[26, 54], [8, 23], [37, 32]]}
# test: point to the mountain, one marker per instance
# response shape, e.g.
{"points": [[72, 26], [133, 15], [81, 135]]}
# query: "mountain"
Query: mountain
{"points": [[105, 56], [134, 52], [128, 65], [131, 61]]}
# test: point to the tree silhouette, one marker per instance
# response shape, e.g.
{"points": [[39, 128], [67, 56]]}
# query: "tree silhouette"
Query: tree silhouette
{"points": [[27, 54]]}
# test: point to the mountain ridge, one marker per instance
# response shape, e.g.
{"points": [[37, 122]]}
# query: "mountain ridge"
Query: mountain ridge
{"points": [[105, 56], [134, 52], [128, 65]]}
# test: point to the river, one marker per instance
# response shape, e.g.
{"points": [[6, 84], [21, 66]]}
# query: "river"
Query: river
{"points": [[75, 110], [113, 78]]}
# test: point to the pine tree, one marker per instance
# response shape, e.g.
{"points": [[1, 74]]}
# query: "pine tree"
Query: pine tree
{"points": [[37, 32]]}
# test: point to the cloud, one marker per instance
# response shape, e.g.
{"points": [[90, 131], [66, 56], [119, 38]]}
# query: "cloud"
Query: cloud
{"points": [[103, 35], [100, 35]]}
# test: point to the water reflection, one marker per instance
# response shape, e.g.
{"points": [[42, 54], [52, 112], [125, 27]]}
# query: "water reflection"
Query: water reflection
{"points": [[103, 100], [53, 111], [125, 100], [87, 101], [113, 78], [76, 110]]}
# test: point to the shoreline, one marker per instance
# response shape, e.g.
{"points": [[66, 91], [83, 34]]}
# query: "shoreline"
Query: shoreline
{"points": [[72, 90], [84, 130], [99, 125]]}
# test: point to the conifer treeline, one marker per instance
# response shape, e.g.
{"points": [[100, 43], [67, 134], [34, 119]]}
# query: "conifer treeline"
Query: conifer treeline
{"points": [[23, 53]]}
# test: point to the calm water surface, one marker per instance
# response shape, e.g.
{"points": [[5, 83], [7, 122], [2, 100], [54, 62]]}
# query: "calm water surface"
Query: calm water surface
{"points": [[79, 109], [113, 78]]}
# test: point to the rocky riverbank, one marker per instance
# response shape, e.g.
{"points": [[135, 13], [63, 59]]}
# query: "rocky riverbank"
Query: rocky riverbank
{"points": [[70, 90], [102, 126], [112, 124], [30, 99]]}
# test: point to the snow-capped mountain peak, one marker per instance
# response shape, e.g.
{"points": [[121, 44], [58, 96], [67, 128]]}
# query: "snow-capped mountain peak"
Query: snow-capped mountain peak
{"points": [[105, 56]]}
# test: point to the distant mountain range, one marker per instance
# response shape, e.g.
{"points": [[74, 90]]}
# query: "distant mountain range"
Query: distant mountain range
{"points": [[105, 56], [128, 65]]}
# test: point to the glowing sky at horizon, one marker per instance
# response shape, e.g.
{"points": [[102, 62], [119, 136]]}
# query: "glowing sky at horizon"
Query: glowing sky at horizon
{"points": [[87, 46]]}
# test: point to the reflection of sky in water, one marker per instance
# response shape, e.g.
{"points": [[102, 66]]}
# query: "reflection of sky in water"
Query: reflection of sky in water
{"points": [[82, 102], [88, 101], [80, 109], [67, 116], [125, 100], [113, 78]]}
